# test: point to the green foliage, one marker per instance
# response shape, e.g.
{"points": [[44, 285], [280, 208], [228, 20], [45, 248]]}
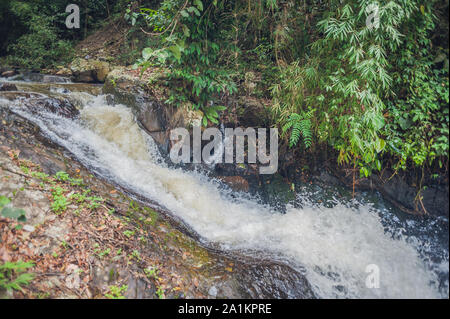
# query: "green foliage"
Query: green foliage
{"points": [[212, 113], [151, 273], [418, 125], [62, 176], [40, 46], [376, 93], [42, 176], [300, 125], [11, 212], [102, 253], [116, 292], [13, 275], [4, 201], [90, 202], [348, 78], [60, 202], [33, 33], [160, 293], [152, 214], [129, 233], [191, 52]]}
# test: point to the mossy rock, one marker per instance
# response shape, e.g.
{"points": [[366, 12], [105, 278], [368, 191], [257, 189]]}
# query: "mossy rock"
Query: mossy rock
{"points": [[89, 70]]}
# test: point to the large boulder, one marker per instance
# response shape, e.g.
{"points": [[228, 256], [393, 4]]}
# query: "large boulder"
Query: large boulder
{"points": [[126, 87], [62, 71], [62, 107], [237, 183], [46, 78], [251, 112], [7, 86], [89, 70], [186, 116], [9, 73], [401, 189]]}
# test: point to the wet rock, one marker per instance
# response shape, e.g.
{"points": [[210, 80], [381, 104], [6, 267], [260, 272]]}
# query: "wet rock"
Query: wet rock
{"points": [[272, 280], [251, 112], [60, 107], [237, 183], [46, 89], [186, 116], [152, 115], [276, 191], [61, 90], [8, 87], [9, 73], [326, 178], [89, 70], [212, 291], [124, 88], [157, 119], [397, 189], [64, 72], [13, 95], [127, 89], [400, 188], [42, 78], [240, 177], [102, 70], [54, 79], [28, 228], [435, 200]]}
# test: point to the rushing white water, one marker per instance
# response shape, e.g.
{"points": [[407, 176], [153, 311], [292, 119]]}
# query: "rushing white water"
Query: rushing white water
{"points": [[333, 245]]}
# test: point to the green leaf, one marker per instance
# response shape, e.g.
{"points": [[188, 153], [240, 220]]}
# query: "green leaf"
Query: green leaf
{"points": [[381, 144], [175, 49], [378, 122], [378, 163], [186, 31], [199, 4], [147, 53], [184, 13], [15, 213], [4, 201], [404, 123], [214, 120], [364, 172]]}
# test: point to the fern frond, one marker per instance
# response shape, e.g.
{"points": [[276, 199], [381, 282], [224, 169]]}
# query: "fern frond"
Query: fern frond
{"points": [[300, 126]]}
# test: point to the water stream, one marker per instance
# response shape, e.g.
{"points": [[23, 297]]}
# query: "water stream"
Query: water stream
{"points": [[332, 245]]}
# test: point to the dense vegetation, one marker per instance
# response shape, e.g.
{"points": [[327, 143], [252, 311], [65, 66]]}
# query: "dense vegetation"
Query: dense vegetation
{"points": [[365, 91], [374, 93], [33, 33]]}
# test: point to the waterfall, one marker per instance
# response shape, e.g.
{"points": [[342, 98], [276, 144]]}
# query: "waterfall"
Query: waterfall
{"points": [[332, 245]]}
